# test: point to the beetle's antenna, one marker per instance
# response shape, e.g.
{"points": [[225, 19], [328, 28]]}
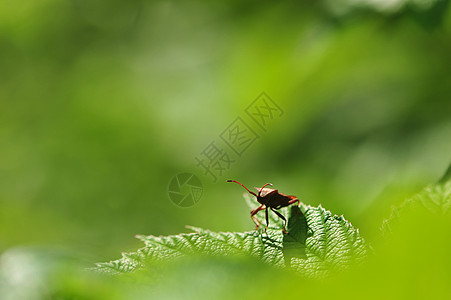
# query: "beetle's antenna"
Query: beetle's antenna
{"points": [[243, 186], [259, 192]]}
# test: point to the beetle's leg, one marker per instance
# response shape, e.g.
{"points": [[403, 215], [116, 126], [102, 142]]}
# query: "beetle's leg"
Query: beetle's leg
{"points": [[294, 200], [253, 213], [267, 219], [282, 217]]}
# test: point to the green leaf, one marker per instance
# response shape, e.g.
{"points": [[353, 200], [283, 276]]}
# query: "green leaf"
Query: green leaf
{"points": [[316, 243], [267, 247], [447, 176], [334, 244], [434, 199]]}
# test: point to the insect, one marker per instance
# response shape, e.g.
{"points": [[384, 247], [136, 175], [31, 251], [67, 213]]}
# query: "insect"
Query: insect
{"points": [[272, 199]]}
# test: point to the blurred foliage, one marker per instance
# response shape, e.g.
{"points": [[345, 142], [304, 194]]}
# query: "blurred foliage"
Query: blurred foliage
{"points": [[103, 102], [412, 262]]}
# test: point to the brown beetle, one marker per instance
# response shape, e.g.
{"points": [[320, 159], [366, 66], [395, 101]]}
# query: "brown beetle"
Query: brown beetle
{"points": [[269, 198]]}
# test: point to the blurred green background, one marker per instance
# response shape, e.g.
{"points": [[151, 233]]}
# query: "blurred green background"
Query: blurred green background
{"points": [[103, 102]]}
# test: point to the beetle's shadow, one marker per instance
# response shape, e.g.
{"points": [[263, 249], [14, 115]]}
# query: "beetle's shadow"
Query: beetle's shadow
{"points": [[294, 242]]}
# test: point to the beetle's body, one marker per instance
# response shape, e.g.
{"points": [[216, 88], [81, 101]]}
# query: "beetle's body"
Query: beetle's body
{"points": [[272, 199]]}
